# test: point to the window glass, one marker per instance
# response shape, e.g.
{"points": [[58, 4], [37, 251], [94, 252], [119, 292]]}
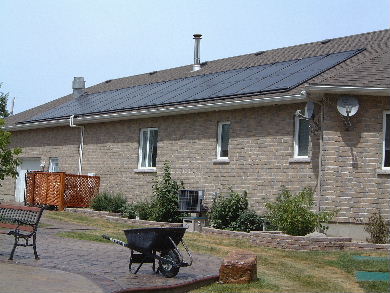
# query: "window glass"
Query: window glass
{"points": [[148, 147], [223, 139], [386, 161], [153, 147], [54, 165], [144, 147], [303, 138]]}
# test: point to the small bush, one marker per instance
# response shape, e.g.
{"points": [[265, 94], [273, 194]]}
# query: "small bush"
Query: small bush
{"points": [[129, 211], [248, 221], [232, 213], [143, 210], [226, 210], [377, 228], [164, 205], [101, 202], [109, 202], [292, 215]]}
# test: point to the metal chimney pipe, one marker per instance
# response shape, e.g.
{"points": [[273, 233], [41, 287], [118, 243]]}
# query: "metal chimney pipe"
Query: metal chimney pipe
{"points": [[197, 38], [78, 86]]}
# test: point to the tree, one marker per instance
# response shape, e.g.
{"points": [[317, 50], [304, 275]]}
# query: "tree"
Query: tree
{"points": [[9, 160], [3, 104]]}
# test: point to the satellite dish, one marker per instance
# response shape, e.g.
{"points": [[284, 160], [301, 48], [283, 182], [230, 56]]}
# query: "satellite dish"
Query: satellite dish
{"points": [[309, 110], [347, 106]]}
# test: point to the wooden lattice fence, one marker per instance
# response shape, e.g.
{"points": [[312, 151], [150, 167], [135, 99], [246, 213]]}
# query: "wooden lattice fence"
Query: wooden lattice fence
{"points": [[61, 189]]}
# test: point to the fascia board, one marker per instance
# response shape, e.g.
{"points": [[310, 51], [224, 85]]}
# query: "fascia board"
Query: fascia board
{"points": [[164, 111]]}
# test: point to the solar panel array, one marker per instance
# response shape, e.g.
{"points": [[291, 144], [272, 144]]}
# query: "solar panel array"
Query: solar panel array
{"points": [[280, 76]]}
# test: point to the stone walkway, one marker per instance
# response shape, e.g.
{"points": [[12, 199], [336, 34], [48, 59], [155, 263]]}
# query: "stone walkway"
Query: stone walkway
{"points": [[104, 264]]}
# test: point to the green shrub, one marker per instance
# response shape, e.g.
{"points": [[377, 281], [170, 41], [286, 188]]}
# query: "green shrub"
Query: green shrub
{"points": [[129, 211], [164, 204], [248, 221], [377, 228], [109, 202], [101, 202], [231, 213], [292, 215], [143, 210]]}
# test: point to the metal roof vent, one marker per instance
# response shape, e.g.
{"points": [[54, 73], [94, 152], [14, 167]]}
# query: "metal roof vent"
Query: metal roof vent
{"points": [[323, 42], [78, 86], [197, 38]]}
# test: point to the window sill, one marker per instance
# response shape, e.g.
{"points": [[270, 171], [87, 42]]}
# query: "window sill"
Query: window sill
{"points": [[221, 161], [150, 170], [383, 172], [299, 160]]}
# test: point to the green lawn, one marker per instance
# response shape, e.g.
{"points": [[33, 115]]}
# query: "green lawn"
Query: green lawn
{"points": [[278, 270]]}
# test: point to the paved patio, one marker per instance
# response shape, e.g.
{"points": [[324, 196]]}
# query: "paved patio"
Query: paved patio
{"points": [[102, 264]]}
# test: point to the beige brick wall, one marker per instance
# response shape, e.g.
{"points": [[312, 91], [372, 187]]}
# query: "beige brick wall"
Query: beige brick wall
{"points": [[261, 146], [351, 181], [259, 154]]}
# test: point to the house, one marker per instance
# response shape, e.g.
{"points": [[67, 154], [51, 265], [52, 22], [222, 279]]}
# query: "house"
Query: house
{"points": [[315, 114]]}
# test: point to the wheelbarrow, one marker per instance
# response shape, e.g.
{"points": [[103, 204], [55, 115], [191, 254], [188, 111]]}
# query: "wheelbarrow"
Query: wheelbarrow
{"points": [[149, 245]]}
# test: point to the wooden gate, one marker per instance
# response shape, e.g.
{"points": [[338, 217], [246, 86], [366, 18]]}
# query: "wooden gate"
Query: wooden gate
{"points": [[61, 189]]}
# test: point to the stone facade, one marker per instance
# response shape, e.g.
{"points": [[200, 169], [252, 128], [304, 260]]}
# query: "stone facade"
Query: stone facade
{"points": [[260, 151]]}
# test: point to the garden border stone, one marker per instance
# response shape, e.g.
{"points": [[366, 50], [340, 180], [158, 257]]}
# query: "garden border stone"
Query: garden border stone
{"points": [[274, 239]]}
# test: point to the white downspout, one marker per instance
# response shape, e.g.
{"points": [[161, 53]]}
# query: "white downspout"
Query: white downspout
{"points": [[71, 124], [320, 158]]}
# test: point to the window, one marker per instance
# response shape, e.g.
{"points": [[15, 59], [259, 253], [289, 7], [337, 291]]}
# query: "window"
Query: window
{"points": [[301, 139], [223, 140], [54, 165], [386, 140], [148, 148]]}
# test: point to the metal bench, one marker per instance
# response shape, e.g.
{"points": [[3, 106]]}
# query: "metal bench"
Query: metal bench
{"points": [[23, 222]]}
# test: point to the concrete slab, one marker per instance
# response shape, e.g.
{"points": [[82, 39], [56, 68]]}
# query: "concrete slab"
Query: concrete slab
{"points": [[17, 278]]}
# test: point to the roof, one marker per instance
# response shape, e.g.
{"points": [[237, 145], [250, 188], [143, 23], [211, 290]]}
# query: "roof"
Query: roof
{"points": [[351, 66]]}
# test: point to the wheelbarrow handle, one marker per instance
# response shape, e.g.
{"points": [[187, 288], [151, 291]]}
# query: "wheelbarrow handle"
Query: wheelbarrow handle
{"points": [[116, 241]]}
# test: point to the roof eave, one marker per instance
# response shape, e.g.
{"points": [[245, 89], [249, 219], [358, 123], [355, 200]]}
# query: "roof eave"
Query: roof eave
{"points": [[164, 111], [353, 90]]}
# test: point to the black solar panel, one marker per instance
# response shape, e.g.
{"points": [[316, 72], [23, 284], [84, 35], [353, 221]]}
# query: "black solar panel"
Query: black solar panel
{"points": [[278, 76]]}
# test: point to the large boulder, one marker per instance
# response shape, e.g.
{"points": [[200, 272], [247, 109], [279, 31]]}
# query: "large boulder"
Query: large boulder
{"points": [[239, 267]]}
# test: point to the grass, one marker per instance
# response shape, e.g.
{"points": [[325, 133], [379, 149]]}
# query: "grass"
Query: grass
{"points": [[101, 226], [278, 270]]}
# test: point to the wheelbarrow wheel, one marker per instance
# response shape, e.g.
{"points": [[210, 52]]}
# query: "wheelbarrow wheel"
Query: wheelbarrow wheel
{"points": [[166, 268]]}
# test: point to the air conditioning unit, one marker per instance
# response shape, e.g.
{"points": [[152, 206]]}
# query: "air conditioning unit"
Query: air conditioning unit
{"points": [[191, 200]]}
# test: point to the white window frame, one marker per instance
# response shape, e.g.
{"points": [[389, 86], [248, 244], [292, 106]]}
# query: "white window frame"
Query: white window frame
{"points": [[141, 144], [384, 139], [219, 139], [51, 159], [296, 137]]}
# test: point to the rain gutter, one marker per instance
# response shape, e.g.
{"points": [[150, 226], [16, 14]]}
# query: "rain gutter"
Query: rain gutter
{"points": [[163, 111], [335, 89]]}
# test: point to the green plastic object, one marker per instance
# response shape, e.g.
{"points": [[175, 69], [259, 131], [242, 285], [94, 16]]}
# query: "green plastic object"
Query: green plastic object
{"points": [[372, 276], [365, 257]]}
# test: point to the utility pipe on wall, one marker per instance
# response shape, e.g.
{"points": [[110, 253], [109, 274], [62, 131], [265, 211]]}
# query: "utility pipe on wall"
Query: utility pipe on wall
{"points": [[319, 101], [71, 124], [320, 158]]}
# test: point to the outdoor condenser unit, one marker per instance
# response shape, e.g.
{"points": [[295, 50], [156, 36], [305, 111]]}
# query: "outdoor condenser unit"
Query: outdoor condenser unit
{"points": [[191, 200]]}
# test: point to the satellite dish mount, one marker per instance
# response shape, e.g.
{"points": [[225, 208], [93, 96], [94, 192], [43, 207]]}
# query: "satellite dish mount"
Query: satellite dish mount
{"points": [[347, 107], [309, 115]]}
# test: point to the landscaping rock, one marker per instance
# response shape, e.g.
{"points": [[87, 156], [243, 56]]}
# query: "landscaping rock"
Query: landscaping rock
{"points": [[239, 267], [316, 235]]}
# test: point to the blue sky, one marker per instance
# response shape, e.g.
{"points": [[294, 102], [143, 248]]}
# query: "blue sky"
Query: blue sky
{"points": [[44, 44]]}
